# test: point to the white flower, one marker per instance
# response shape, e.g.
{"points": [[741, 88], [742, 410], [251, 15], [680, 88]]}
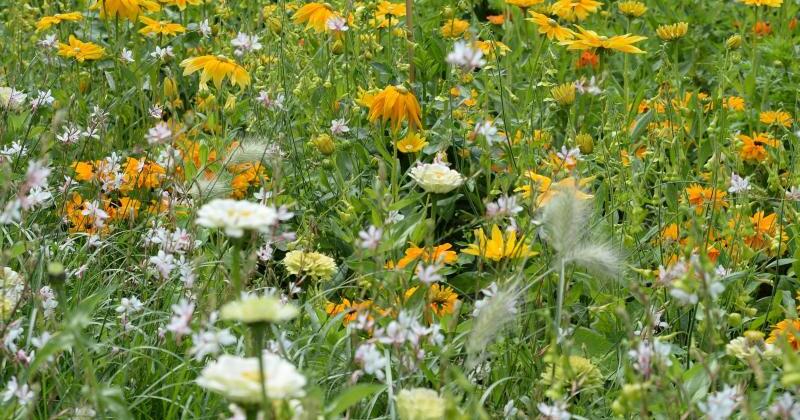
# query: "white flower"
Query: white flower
{"points": [[245, 43], [370, 238], [428, 274], [204, 28], [738, 184], [42, 99], [505, 206], [164, 263], [371, 360], [182, 316], [11, 98], [721, 404], [393, 217], [784, 407], [436, 177], [126, 56], [235, 217], [22, 393], [269, 102], [488, 130], [49, 42], [793, 193], [569, 156], [466, 57], [159, 134], [70, 135], [209, 342], [162, 53], [556, 411], [337, 23], [129, 305], [591, 88], [339, 127], [239, 379]]}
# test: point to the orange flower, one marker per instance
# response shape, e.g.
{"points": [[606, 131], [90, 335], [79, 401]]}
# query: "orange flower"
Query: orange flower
{"points": [[496, 19], [786, 329], [700, 196], [588, 58], [395, 104], [442, 299], [351, 309], [441, 254], [753, 150], [762, 28], [782, 118]]}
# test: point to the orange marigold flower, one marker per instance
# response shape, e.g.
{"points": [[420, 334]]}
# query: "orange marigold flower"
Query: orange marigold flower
{"points": [[781, 118], [788, 330]]}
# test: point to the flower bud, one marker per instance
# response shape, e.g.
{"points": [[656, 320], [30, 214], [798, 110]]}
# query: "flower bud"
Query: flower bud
{"points": [[734, 42], [324, 144]]}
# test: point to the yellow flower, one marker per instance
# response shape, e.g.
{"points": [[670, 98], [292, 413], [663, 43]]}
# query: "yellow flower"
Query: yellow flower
{"points": [[545, 193], [125, 9], [315, 15], [776, 117], [413, 142], [768, 3], [80, 50], [499, 246], [550, 27], [492, 48], [564, 94], [454, 28], [254, 309], [395, 104], [672, 32], [156, 27], [523, 3], [575, 9], [181, 3], [48, 21], [587, 40], [632, 8], [420, 404], [216, 68], [319, 266], [387, 8]]}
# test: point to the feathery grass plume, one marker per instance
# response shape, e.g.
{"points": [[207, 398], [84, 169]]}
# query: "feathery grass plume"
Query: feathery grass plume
{"points": [[253, 149], [497, 309], [218, 186], [565, 224]]}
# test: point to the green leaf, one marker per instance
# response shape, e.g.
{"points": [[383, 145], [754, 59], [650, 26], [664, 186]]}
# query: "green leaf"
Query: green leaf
{"points": [[351, 396]]}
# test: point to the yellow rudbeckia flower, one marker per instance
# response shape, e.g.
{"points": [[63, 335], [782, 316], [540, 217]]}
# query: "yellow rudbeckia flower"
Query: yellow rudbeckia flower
{"points": [[160, 27], [216, 68], [499, 246], [80, 50], [588, 40], [395, 104], [48, 21]]}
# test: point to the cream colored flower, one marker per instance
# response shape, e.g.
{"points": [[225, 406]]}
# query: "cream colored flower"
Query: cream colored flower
{"points": [[420, 404], [235, 217], [239, 379], [436, 177], [751, 345], [314, 264], [252, 308], [11, 287]]}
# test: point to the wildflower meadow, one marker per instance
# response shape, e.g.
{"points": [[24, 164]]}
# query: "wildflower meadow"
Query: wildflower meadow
{"points": [[404, 209]]}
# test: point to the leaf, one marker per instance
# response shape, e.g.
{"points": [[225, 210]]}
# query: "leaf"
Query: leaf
{"points": [[350, 397], [641, 125]]}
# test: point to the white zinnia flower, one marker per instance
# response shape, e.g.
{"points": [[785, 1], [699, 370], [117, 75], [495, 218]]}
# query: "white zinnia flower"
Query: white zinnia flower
{"points": [[239, 379], [436, 177], [237, 216]]}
